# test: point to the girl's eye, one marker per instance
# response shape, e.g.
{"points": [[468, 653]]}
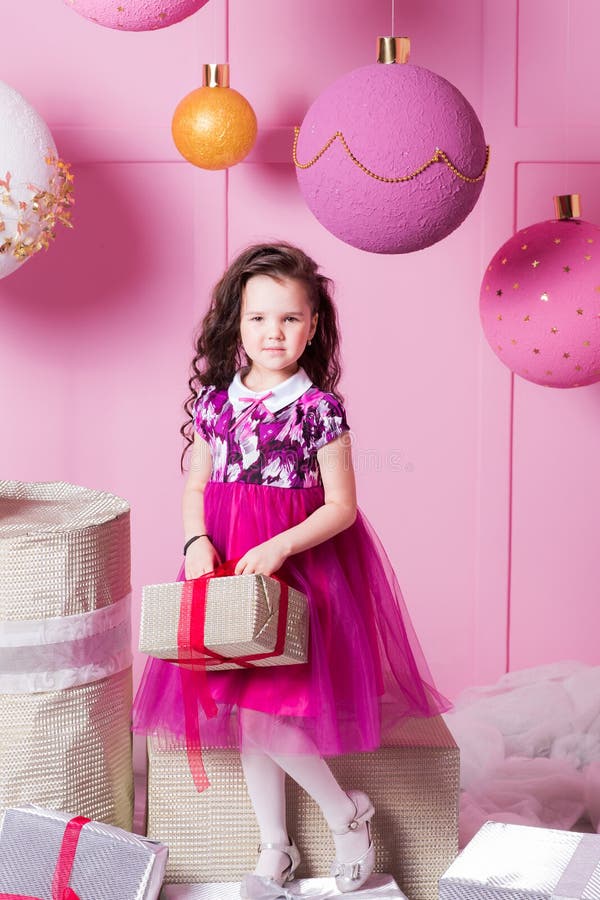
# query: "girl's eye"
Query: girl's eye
{"points": [[288, 318]]}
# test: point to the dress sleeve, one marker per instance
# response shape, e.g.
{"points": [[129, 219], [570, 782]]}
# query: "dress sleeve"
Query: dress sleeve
{"points": [[204, 414], [330, 420]]}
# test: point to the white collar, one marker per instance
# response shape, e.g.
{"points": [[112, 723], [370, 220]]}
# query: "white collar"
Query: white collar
{"points": [[282, 394]]}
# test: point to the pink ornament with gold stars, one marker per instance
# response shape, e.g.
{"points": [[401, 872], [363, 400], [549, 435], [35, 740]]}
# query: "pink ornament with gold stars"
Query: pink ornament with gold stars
{"points": [[540, 300], [135, 15]]}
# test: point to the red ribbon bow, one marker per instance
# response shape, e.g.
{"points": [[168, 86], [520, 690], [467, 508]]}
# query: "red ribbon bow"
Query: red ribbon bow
{"points": [[195, 655], [64, 864]]}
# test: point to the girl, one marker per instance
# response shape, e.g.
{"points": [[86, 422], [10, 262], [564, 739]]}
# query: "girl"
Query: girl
{"points": [[271, 482]]}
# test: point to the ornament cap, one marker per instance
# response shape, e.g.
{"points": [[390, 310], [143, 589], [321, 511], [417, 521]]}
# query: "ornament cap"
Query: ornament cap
{"points": [[215, 75], [393, 49], [567, 206]]}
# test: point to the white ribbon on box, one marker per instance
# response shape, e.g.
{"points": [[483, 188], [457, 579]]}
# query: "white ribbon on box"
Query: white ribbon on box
{"points": [[579, 871], [38, 655]]}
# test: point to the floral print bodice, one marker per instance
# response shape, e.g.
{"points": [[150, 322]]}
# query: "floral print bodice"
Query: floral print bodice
{"points": [[268, 437]]}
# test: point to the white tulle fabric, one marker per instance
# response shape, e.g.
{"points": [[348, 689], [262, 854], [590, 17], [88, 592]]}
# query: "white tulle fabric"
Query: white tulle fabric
{"points": [[378, 887], [53, 654], [530, 749]]}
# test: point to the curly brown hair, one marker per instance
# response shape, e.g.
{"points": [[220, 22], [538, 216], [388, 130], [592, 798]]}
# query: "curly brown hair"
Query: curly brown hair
{"points": [[218, 349]]}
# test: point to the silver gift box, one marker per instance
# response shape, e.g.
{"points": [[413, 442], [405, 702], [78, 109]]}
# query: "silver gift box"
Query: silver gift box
{"points": [[520, 862], [110, 863], [242, 613]]}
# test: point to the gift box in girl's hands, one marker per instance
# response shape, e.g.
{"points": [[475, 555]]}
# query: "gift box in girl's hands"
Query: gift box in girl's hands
{"points": [[228, 621], [45, 853]]}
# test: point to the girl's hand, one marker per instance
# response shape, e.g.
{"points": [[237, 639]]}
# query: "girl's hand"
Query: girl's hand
{"points": [[264, 559], [201, 558]]}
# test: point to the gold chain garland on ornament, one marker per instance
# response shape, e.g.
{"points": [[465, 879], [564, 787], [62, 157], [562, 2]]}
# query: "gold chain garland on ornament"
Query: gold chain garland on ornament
{"points": [[39, 215], [438, 156]]}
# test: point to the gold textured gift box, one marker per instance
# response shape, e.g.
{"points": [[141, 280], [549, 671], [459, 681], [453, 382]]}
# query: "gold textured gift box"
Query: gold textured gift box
{"points": [[413, 782], [242, 614], [65, 650]]}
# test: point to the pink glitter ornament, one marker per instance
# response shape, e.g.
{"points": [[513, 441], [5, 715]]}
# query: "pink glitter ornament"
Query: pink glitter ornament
{"points": [[540, 300], [391, 157], [136, 15]]}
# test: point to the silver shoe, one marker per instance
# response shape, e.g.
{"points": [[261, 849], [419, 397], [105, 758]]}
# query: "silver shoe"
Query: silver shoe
{"points": [[350, 876], [260, 887]]}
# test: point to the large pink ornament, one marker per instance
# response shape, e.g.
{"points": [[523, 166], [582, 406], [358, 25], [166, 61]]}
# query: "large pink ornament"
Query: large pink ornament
{"points": [[391, 157], [540, 301], [136, 15]]}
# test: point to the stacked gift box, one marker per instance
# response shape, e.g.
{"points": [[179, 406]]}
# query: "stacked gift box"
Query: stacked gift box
{"points": [[65, 650], [413, 780]]}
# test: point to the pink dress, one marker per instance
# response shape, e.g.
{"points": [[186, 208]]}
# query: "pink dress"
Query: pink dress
{"points": [[365, 668]]}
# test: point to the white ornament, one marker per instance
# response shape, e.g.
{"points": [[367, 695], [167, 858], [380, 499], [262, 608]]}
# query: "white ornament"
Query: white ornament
{"points": [[35, 185]]}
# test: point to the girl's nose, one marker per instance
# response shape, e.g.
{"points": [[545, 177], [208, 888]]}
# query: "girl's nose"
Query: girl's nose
{"points": [[276, 332]]}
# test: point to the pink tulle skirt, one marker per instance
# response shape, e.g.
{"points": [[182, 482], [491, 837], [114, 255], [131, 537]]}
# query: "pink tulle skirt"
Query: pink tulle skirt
{"points": [[365, 668]]}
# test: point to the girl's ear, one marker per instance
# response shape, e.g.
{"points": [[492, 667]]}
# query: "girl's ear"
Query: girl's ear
{"points": [[315, 319]]}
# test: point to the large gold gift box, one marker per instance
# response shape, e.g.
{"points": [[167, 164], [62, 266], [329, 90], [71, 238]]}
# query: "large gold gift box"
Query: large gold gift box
{"points": [[241, 619], [413, 782], [65, 651]]}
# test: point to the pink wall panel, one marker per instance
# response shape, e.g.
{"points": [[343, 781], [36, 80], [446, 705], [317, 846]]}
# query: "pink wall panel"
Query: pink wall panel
{"points": [[98, 76], [95, 335], [556, 568], [557, 50]]}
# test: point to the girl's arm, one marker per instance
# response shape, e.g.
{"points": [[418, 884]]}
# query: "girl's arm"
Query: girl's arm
{"points": [[201, 556], [339, 510], [337, 513]]}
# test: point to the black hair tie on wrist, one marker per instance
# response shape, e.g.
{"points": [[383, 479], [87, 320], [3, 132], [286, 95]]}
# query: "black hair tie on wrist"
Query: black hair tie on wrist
{"points": [[191, 541]]}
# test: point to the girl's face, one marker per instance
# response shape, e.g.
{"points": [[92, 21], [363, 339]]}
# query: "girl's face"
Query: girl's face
{"points": [[276, 322]]}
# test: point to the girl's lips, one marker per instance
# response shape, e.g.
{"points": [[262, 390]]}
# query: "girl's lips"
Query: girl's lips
{"points": [[275, 349]]}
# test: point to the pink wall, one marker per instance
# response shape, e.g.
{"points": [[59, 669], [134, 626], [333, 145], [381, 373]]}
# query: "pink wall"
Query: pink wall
{"points": [[483, 487]]}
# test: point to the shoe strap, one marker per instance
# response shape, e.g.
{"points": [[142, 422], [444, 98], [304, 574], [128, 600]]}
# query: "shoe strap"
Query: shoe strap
{"points": [[356, 822], [269, 845], [290, 850]]}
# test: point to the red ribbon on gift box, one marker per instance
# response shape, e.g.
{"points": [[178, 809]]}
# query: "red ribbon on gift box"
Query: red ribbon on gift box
{"points": [[64, 864], [195, 655]]}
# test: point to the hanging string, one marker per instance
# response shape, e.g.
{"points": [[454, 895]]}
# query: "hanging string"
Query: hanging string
{"points": [[567, 106], [215, 54], [226, 30]]}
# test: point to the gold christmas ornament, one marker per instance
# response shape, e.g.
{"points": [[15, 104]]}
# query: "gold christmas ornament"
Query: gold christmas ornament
{"points": [[214, 127]]}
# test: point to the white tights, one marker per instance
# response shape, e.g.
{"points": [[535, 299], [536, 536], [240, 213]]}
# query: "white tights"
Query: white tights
{"points": [[265, 777]]}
